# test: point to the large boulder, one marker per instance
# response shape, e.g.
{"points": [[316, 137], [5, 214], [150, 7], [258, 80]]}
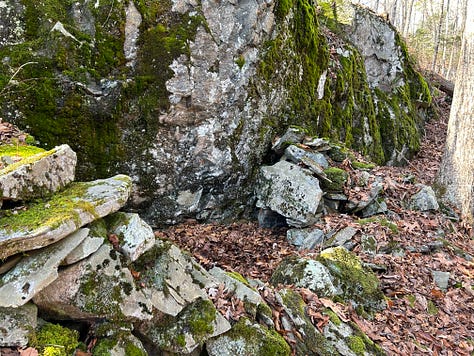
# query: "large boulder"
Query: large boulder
{"points": [[186, 97]]}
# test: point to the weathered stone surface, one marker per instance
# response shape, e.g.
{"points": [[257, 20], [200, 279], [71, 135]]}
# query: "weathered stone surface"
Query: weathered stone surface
{"points": [[196, 323], [38, 175], [306, 273], [33, 273], [341, 237], [49, 221], [94, 239], [118, 343], [241, 290], [425, 199], [358, 284], [305, 239], [135, 235], [173, 280], [296, 155], [16, 324], [291, 136], [290, 191], [336, 338], [247, 338], [269, 219], [387, 68], [441, 279], [378, 206], [223, 77], [95, 288], [375, 188], [336, 272]]}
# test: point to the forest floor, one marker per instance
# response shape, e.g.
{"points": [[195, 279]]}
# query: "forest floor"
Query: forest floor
{"points": [[421, 319]]}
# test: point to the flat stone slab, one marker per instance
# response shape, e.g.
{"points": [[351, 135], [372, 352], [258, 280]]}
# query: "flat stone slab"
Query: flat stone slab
{"points": [[94, 239], [39, 174], [35, 272], [46, 222]]}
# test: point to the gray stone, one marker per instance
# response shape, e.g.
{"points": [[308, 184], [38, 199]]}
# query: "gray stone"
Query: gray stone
{"points": [[290, 191], [96, 287], [341, 237], [375, 188], [368, 244], [12, 30], [173, 280], [441, 279], [296, 155], [135, 235], [182, 334], [33, 273], [291, 136], [239, 289], [305, 239], [378, 206], [120, 342], [306, 273], [335, 272], [318, 144], [424, 200], [270, 219], [89, 245], [16, 325], [247, 338], [132, 31], [39, 175], [78, 205]]}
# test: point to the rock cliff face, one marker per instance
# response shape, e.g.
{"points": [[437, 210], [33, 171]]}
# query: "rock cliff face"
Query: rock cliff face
{"points": [[185, 96]]}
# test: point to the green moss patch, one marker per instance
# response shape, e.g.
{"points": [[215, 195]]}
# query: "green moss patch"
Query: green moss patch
{"points": [[338, 178], [51, 212], [53, 339]]}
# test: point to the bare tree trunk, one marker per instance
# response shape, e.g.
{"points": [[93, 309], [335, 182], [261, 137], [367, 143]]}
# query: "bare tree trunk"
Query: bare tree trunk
{"points": [[456, 173], [444, 68], [437, 38]]}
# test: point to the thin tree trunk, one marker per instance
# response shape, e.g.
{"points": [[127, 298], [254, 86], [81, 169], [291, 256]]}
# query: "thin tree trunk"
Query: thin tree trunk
{"points": [[437, 38], [456, 173]]}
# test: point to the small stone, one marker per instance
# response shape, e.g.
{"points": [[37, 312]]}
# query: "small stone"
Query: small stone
{"points": [[424, 200], [291, 136], [441, 279], [341, 237], [305, 239]]}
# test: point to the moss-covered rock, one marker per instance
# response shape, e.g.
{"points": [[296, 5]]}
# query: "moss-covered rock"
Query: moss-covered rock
{"points": [[247, 338], [337, 179], [181, 334], [358, 284]]}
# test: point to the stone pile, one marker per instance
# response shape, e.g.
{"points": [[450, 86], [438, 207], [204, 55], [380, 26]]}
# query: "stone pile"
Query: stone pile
{"points": [[72, 257], [307, 182]]}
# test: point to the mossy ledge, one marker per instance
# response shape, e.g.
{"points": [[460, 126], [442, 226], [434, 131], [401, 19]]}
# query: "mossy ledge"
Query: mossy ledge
{"points": [[48, 220]]}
